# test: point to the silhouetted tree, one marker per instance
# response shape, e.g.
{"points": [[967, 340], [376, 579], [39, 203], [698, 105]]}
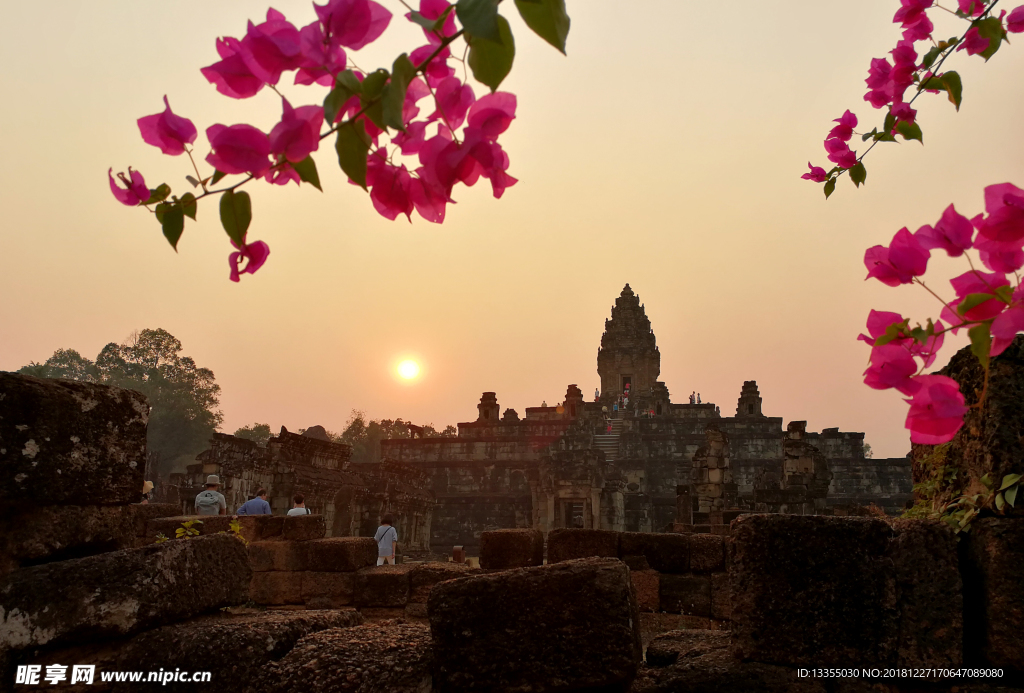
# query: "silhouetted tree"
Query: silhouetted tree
{"points": [[259, 433]]}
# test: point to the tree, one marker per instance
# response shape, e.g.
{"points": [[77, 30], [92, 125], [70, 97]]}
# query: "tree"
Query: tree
{"points": [[184, 398], [868, 452], [365, 437], [258, 433]]}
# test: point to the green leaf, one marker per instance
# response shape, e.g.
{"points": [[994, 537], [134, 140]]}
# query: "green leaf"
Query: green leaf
{"points": [[981, 342], [992, 29], [480, 18], [346, 85], [373, 88], [217, 175], [933, 83], [1004, 294], [1009, 480], [910, 131], [491, 62], [352, 147], [307, 172], [1011, 495], [987, 482], [972, 301], [858, 173], [954, 87], [930, 56], [189, 205], [159, 194], [235, 214], [172, 221], [548, 20], [830, 185], [393, 98], [418, 18], [193, 181], [868, 135], [1000, 502], [890, 123]]}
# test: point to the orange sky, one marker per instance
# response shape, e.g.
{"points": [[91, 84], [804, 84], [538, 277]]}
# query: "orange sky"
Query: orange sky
{"points": [[665, 151]]}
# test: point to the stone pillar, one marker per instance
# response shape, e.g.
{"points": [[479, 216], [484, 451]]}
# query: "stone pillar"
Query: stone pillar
{"points": [[712, 473]]}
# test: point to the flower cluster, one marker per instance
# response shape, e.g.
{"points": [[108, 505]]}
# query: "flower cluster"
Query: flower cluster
{"points": [[987, 304], [379, 117], [888, 82]]}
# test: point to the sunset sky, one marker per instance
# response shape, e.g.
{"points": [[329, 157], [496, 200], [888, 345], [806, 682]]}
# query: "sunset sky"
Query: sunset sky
{"points": [[665, 151]]}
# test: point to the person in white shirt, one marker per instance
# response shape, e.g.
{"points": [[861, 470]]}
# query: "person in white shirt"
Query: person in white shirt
{"points": [[300, 506], [386, 538]]}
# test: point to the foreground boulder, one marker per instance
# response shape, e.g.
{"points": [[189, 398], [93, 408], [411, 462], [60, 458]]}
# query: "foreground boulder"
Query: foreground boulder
{"points": [[569, 626], [571, 543], [501, 549], [123, 592], [66, 442], [390, 656], [993, 577], [42, 534]]}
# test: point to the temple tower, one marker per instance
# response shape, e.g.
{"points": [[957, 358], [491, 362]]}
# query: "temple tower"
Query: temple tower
{"points": [[749, 404], [628, 353]]}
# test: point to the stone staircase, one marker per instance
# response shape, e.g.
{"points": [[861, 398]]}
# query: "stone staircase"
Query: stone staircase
{"points": [[609, 443]]}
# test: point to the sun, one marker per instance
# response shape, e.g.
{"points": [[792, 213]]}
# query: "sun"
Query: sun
{"points": [[408, 369]]}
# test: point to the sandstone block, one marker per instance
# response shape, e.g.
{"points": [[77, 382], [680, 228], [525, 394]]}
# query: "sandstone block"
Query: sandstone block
{"points": [[327, 590], [929, 594], [646, 586], [689, 595], [423, 577], [63, 441], [382, 586], [812, 590], [511, 548], [387, 656], [143, 513], [666, 553], [260, 527], [569, 544], [206, 524], [721, 601], [277, 555], [303, 527], [29, 536], [122, 592], [994, 601], [707, 553], [339, 554], [568, 626], [416, 610], [276, 588], [382, 613]]}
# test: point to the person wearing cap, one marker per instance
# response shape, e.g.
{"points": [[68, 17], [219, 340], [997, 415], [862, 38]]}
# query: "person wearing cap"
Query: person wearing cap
{"points": [[147, 492], [211, 501]]}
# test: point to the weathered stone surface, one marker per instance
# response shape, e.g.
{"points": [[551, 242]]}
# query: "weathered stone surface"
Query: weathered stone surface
{"points": [[327, 590], [381, 613], [501, 549], [570, 544], [144, 512], [666, 553], [707, 553], [646, 586], [416, 610], [423, 577], [277, 555], [701, 661], [204, 524], [686, 594], [303, 527], [812, 590], [567, 626], [122, 592], [32, 535], [234, 648], [260, 527], [721, 602], [276, 588], [929, 594], [339, 554], [385, 585], [993, 596], [387, 656], [63, 441]]}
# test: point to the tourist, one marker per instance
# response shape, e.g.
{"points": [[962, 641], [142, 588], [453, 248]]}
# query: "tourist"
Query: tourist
{"points": [[211, 501], [147, 492], [300, 506], [693, 397], [698, 398], [256, 506], [386, 538], [597, 395]]}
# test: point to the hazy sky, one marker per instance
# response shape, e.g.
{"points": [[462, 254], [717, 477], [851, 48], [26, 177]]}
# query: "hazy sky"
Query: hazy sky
{"points": [[664, 151]]}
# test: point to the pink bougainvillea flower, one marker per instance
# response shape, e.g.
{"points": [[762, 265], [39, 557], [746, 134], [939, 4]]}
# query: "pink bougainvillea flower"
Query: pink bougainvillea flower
{"points": [[430, 202], [238, 149], [353, 23], [844, 131], [255, 254], [911, 11], [433, 9], [282, 174], [320, 60], [389, 186], [817, 174], [878, 323], [1005, 327], [903, 112], [1000, 256], [1014, 20], [936, 410], [952, 233], [839, 153], [974, 42], [438, 68], [971, 8], [492, 114], [298, 133], [412, 139], [919, 30], [453, 99], [892, 366], [878, 73], [976, 282], [904, 259], [491, 159], [1005, 206], [134, 192], [167, 131], [272, 47], [928, 351], [232, 75]]}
